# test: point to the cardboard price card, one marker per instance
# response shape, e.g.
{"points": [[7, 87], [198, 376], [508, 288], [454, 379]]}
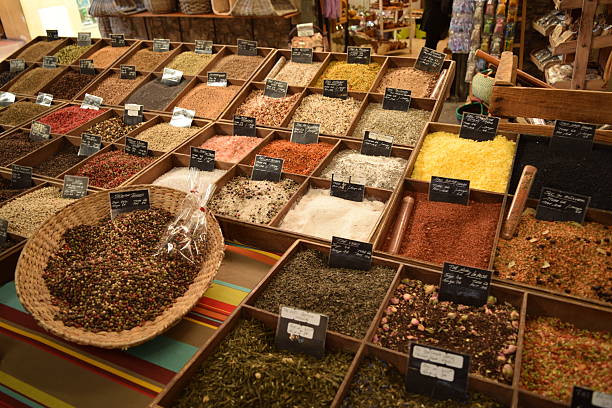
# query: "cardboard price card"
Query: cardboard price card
{"points": [[300, 331], [478, 127], [449, 190], [359, 55], [464, 284], [246, 47], [267, 168], [161, 44], [350, 254], [128, 201], [586, 398], [117, 40], [203, 47], [572, 137], [557, 205], [430, 60]]}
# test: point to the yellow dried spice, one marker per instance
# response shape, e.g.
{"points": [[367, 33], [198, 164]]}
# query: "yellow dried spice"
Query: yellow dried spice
{"points": [[486, 164], [360, 77]]}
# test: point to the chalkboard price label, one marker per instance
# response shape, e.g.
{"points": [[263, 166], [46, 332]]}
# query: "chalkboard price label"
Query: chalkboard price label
{"points": [[346, 189], [246, 47], [359, 55], [91, 102], [478, 127], [6, 98], [350, 254], [586, 398], [301, 55], [49, 61], [127, 72], [430, 60], [171, 77], [464, 285], [90, 144], [86, 67], [44, 99], [245, 126], [136, 147], [573, 137], [437, 373], [202, 159], [449, 190], [21, 177], [83, 39], [127, 201], [117, 40], [275, 89], [375, 144], [161, 44], [335, 88], [3, 230], [40, 131], [557, 205], [397, 99], [52, 35], [305, 30], [182, 117], [133, 114], [16, 65], [75, 186], [203, 47], [216, 79], [267, 168], [299, 331], [305, 133]]}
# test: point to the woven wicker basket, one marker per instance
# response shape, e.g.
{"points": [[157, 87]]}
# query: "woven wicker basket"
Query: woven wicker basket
{"points": [[160, 6], [195, 6], [35, 296]]}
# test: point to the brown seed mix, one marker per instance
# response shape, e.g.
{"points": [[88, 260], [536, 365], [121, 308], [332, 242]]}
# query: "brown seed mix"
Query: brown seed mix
{"points": [[17, 144], [20, 112], [237, 66], [112, 129], [266, 110], [335, 115], [59, 162]]}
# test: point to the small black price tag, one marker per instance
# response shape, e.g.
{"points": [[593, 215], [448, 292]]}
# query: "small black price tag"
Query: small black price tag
{"points": [[75, 186], [359, 55], [375, 144], [350, 254], [587, 398], [16, 65], [86, 67], [83, 39], [449, 190], [246, 47], [216, 79], [437, 373], [49, 61], [557, 205], [430, 60], [7, 98], [44, 99], [305, 30], [117, 40], [90, 144], [133, 114], [478, 127], [182, 117], [136, 147], [161, 44], [202, 159], [127, 201], [267, 168], [305, 133], [299, 331], [275, 89], [3, 230], [91, 102], [397, 99], [335, 88], [347, 189], [464, 285], [301, 55], [21, 177], [128, 72], [171, 77], [52, 35], [573, 137], [40, 131], [203, 47], [245, 126]]}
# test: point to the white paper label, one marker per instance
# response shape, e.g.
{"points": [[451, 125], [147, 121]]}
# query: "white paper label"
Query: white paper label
{"points": [[437, 356], [301, 315], [435, 371], [295, 329], [305, 30], [381, 137], [602, 399], [132, 109]]}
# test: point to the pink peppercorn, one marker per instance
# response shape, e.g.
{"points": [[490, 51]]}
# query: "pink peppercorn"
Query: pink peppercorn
{"points": [[69, 118]]}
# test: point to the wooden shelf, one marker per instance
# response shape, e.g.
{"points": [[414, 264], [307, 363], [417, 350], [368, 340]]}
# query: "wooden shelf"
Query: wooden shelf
{"points": [[574, 4], [389, 30], [209, 16], [569, 47]]}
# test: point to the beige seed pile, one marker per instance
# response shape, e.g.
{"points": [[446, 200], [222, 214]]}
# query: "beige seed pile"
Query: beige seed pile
{"points": [[405, 127], [421, 83], [237, 66], [190, 63], [105, 56], [296, 74], [27, 213], [268, 111], [335, 115], [165, 137]]}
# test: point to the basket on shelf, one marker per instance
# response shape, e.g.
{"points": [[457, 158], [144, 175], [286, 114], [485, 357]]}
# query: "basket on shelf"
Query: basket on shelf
{"points": [[195, 6], [160, 6], [34, 294], [253, 7]]}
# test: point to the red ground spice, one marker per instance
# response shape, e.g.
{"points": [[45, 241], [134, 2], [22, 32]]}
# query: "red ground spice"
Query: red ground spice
{"points": [[299, 158], [442, 232], [69, 118], [110, 169]]}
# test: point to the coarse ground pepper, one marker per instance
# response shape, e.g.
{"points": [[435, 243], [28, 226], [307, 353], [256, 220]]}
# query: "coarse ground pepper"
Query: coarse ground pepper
{"points": [[20, 112], [360, 77], [405, 127], [7, 76], [113, 89], [108, 277], [231, 148], [208, 101], [486, 164], [421, 83], [155, 95], [36, 51], [71, 117], [33, 80], [349, 297], [105, 56], [237, 66], [146, 59], [376, 171], [252, 201], [71, 53], [488, 333], [17, 144], [110, 169], [59, 162], [557, 355], [190, 63], [28, 212], [297, 74], [266, 110], [112, 129], [562, 256], [335, 115], [298, 158], [68, 85], [440, 232]]}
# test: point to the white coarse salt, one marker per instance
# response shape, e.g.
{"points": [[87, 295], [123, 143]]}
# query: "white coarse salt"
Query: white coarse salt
{"points": [[178, 178]]}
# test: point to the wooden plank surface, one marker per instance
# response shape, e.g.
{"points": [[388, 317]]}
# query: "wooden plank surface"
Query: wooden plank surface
{"points": [[506, 70], [181, 15], [603, 136], [583, 43], [13, 20]]}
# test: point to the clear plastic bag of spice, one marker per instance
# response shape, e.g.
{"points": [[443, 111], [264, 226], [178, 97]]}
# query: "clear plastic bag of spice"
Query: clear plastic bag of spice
{"points": [[186, 235]]}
